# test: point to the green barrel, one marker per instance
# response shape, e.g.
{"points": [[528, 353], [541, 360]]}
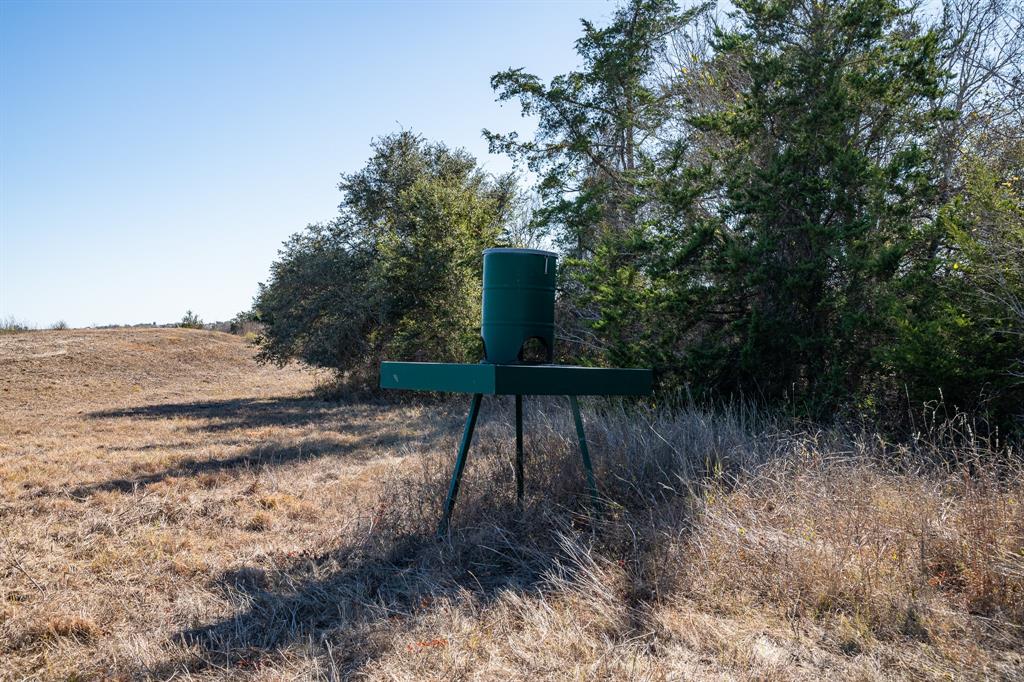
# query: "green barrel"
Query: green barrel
{"points": [[519, 303]]}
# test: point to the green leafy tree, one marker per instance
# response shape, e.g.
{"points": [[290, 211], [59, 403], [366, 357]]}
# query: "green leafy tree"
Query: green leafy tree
{"points": [[397, 273], [960, 313], [191, 321], [596, 127], [317, 305], [969, 337], [751, 212], [826, 184], [594, 153]]}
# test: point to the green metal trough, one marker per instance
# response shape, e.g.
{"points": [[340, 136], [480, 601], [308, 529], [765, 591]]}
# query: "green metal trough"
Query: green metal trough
{"points": [[514, 379], [518, 305]]}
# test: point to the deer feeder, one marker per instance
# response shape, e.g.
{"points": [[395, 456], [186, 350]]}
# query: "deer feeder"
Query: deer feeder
{"points": [[517, 326]]}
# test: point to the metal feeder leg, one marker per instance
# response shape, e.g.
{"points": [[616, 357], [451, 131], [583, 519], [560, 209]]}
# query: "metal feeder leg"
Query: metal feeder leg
{"points": [[591, 484], [519, 450], [460, 463]]}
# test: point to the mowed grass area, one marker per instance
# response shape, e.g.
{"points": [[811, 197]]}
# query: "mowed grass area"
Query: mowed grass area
{"points": [[171, 509]]}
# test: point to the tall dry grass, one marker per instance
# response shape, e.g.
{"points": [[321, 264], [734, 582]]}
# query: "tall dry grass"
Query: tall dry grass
{"points": [[171, 510], [726, 545]]}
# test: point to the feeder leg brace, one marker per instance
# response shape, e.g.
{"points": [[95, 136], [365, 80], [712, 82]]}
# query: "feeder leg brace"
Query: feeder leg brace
{"points": [[519, 450], [467, 438], [591, 484], [460, 463]]}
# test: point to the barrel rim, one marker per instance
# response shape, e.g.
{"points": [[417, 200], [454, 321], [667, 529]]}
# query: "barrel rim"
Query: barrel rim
{"points": [[503, 249]]}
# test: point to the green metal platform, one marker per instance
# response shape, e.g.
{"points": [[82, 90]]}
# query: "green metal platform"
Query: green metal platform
{"points": [[516, 380], [489, 379]]}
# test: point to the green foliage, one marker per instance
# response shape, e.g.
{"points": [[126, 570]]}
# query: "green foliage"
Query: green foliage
{"points": [[592, 148], [596, 154], [961, 324], [11, 324], [315, 306], [244, 323], [756, 211], [191, 321], [397, 273], [812, 204]]}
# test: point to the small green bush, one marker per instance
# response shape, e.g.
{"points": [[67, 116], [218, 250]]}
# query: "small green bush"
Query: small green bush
{"points": [[191, 321]]}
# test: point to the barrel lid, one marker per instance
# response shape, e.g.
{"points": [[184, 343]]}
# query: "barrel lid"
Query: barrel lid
{"points": [[539, 252]]}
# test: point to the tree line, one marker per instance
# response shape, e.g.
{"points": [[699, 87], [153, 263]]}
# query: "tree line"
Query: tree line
{"points": [[813, 205]]}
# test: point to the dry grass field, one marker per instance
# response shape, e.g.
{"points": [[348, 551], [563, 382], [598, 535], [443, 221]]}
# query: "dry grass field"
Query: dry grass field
{"points": [[169, 509]]}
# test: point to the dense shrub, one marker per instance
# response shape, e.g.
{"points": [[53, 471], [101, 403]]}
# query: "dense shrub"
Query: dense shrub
{"points": [[397, 272], [811, 205], [814, 205]]}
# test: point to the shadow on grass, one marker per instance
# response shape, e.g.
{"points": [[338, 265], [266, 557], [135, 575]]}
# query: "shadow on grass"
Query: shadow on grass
{"points": [[360, 435], [388, 584], [354, 604], [246, 413], [361, 600], [271, 455], [350, 607]]}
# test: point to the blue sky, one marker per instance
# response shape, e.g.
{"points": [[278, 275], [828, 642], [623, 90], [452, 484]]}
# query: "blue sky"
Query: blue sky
{"points": [[153, 156]]}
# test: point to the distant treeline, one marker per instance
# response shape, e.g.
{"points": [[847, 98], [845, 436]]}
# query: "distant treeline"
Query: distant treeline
{"points": [[243, 324], [814, 205]]}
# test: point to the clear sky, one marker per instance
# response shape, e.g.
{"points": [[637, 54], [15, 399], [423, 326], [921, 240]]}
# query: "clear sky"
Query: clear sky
{"points": [[153, 156]]}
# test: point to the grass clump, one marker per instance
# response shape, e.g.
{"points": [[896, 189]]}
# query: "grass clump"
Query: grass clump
{"points": [[65, 626]]}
